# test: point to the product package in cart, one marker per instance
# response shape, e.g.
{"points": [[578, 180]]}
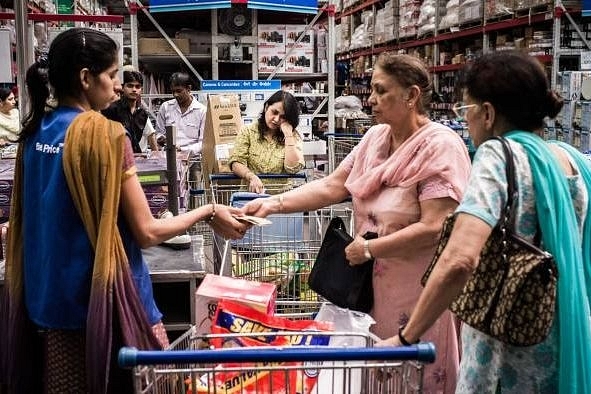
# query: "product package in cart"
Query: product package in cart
{"points": [[238, 326]]}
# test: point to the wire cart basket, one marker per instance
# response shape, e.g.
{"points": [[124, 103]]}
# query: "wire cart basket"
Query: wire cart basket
{"points": [[339, 146], [188, 368], [281, 253]]}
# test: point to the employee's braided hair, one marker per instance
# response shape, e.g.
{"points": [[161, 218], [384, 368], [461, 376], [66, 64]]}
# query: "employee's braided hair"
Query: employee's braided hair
{"points": [[70, 52]]}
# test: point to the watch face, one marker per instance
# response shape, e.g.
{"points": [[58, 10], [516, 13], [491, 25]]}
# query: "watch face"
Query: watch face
{"points": [[239, 20]]}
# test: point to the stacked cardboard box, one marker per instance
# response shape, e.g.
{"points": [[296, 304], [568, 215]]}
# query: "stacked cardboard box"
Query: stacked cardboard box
{"points": [[6, 182], [271, 47], [301, 57], [222, 124], [159, 46]]}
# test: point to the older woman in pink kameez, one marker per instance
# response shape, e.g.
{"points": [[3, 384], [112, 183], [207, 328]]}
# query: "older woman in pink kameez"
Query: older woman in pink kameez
{"points": [[404, 177]]}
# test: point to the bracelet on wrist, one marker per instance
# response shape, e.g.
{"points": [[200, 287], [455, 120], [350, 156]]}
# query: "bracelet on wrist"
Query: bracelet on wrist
{"points": [[366, 251], [209, 220], [280, 203], [403, 339]]}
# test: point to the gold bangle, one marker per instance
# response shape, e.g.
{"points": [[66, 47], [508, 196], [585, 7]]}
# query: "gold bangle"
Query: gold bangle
{"points": [[209, 220], [280, 203], [366, 251], [289, 144]]}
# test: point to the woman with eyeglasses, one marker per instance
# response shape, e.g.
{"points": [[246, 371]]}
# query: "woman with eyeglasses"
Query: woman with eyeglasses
{"points": [[405, 176], [507, 94]]}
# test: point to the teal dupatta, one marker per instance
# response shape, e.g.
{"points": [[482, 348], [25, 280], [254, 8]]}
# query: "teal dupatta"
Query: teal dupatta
{"points": [[561, 237]]}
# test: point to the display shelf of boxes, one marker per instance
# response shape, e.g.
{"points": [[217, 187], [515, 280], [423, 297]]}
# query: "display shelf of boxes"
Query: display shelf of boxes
{"points": [[446, 34]]}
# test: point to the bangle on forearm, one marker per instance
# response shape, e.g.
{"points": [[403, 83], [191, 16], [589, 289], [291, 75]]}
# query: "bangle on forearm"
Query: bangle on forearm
{"points": [[280, 203], [366, 251], [209, 220], [403, 339]]}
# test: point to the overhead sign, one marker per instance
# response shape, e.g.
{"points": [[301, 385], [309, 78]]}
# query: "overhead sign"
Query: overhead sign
{"points": [[586, 8], [233, 85], [301, 6]]}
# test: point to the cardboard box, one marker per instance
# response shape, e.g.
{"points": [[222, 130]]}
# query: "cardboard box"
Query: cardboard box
{"points": [[292, 32], [159, 46], [199, 42], [258, 295], [300, 61], [269, 57], [222, 123]]}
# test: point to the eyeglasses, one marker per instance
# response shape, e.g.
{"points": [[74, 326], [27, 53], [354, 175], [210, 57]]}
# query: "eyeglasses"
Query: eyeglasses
{"points": [[461, 110]]}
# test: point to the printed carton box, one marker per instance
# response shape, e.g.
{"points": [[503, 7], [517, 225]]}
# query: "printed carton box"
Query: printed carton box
{"points": [[258, 295], [222, 123]]}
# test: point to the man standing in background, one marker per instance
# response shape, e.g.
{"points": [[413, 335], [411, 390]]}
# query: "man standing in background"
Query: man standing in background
{"points": [[184, 112], [134, 117]]}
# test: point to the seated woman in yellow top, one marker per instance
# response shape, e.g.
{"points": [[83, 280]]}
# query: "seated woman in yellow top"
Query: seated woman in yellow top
{"points": [[9, 117], [271, 145]]}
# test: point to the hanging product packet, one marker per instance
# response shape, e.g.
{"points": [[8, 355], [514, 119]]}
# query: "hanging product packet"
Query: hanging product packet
{"points": [[235, 318]]}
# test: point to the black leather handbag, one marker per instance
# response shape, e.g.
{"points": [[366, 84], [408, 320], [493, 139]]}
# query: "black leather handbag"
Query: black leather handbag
{"points": [[334, 279]]}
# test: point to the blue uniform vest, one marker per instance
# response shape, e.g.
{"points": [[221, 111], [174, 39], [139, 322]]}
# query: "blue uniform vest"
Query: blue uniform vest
{"points": [[58, 255]]}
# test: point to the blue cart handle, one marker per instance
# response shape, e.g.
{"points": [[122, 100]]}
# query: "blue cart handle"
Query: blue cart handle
{"points": [[130, 357], [343, 135], [218, 177]]}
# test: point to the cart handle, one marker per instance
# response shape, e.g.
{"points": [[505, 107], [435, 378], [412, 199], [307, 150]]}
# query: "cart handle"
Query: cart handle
{"points": [[343, 135], [130, 357], [299, 175]]}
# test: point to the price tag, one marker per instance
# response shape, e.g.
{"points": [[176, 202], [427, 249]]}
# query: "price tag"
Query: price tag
{"points": [[586, 60]]}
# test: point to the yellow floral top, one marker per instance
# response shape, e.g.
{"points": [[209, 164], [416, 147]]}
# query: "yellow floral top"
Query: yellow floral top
{"points": [[262, 156]]}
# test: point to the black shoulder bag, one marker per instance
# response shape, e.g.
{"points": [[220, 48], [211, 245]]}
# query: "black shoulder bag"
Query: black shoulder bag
{"points": [[334, 279]]}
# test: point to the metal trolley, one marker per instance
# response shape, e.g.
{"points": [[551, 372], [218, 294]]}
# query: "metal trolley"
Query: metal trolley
{"points": [[187, 368], [339, 146], [282, 253]]}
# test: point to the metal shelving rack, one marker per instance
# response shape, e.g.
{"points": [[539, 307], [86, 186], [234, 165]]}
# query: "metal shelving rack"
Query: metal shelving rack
{"points": [[327, 9], [554, 15]]}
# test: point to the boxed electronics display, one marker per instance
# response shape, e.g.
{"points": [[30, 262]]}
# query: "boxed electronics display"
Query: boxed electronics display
{"points": [[6, 182], [153, 176], [270, 47], [223, 121], [301, 58]]}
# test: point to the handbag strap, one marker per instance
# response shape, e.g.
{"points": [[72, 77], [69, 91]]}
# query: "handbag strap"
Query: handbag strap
{"points": [[508, 218]]}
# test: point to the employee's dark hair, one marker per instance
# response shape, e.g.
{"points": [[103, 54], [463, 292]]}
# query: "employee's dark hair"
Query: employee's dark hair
{"points": [[4, 93], [181, 79], [71, 51], [291, 108], [407, 71], [132, 76], [517, 87]]}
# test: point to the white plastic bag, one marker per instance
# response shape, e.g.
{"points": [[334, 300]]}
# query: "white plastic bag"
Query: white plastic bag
{"points": [[347, 321]]}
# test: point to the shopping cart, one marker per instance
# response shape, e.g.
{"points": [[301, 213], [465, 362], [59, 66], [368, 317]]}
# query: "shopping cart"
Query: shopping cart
{"points": [[358, 369], [282, 253], [222, 186], [339, 146]]}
